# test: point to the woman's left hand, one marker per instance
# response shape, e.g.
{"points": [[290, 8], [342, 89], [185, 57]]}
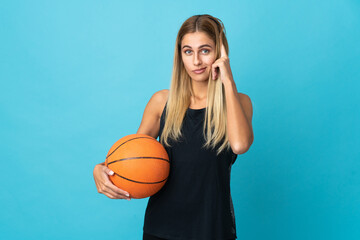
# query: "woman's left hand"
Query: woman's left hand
{"points": [[223, 65]]}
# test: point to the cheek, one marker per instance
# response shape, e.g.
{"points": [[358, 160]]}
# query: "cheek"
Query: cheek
{"points": [[186, 63], [210, 60]]}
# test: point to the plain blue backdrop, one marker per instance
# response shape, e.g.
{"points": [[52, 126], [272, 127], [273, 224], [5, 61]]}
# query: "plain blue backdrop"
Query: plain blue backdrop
{"points": [[77, 75]]}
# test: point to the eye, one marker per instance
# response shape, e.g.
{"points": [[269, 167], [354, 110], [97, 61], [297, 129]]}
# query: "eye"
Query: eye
{"points": [[206, 51]]}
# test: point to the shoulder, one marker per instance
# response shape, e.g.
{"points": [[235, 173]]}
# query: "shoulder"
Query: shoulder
{"points": [[159, 99], [161, 96]]}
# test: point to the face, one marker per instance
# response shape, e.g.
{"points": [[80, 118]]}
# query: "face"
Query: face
{"points": [[197, 52]]}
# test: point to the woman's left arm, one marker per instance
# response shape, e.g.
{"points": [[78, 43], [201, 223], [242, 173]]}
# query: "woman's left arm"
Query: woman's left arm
{"points": [[239, 107], [239, 118]]}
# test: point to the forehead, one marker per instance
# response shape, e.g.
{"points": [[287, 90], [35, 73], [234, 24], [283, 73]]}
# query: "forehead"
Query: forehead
{"points": [[196, 39]]}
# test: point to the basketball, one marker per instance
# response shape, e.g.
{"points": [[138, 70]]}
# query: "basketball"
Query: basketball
{"points": [[140, 164]]}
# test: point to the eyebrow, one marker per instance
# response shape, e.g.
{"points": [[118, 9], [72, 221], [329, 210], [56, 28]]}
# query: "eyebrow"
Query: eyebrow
{"points": [[204, 45]]}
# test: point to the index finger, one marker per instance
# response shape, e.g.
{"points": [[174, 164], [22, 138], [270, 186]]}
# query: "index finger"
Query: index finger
{"points": [[223, 51]]}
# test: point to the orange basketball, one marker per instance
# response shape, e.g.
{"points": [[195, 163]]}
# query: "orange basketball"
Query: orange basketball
{"points": [[140, 164]]}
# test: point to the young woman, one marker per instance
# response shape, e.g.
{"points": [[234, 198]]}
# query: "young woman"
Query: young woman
{"points": [[203, 123]]}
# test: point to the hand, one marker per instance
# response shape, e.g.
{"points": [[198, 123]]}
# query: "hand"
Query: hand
{"points": [[105, 186], [223, 65]]}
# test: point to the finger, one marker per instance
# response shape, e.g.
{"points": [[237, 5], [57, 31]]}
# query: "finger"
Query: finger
{"points": [[115, 189], [111, 186], [213, 70], [109, 195], [109, 171], [223, 51], [114, 195], [222, 47]]}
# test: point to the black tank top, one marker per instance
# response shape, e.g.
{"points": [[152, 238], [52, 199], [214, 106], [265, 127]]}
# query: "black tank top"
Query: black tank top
{"points": [[195, 203]]}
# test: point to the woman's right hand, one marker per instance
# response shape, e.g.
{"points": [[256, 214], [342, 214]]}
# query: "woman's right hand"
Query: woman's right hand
{"points": [[105, 186]]}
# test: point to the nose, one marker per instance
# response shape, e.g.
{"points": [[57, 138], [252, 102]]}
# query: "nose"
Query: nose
{"points": [[197, 60]]}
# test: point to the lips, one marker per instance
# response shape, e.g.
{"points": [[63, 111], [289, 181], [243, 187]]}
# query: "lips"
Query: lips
{"points": [[201, 70]]}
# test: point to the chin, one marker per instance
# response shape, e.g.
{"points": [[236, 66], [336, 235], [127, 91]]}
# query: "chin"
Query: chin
{"points": [[200, 78]]}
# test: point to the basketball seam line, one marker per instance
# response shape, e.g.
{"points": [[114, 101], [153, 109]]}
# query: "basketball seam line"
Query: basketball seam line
{"points": [[129, 158], [139, 181], [126, 142]]}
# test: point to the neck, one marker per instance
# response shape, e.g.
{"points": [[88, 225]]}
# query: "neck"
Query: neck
{"points": [[200, 91]]}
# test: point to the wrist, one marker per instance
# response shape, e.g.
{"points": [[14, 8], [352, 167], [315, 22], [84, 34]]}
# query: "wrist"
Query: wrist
{"points": [[229, 85]]}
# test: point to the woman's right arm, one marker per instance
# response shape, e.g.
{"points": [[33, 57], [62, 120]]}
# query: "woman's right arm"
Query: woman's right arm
{"points": [[150, 125], [105, 186]]}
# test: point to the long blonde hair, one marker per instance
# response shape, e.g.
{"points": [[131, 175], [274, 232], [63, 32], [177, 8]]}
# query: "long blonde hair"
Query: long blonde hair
{"points": [[180, 93]]}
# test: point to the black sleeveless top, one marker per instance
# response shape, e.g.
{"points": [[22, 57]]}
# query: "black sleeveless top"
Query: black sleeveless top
{"points": [[195, 203]]}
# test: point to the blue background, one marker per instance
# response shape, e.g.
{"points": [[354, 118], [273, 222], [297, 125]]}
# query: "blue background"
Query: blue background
{"points": [[77, 75]]}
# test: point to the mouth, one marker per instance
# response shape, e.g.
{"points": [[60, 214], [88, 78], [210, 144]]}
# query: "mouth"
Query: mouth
{"points": [[198, 71]]}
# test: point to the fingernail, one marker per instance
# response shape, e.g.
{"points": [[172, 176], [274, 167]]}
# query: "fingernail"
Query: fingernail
{"points": [[111, 172], [127, 194]]}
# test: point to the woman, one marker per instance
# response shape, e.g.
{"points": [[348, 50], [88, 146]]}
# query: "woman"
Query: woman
{"points": [[203, 123]]}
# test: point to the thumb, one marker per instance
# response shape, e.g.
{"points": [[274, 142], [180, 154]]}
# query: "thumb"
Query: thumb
{"points": [[109, 172]]}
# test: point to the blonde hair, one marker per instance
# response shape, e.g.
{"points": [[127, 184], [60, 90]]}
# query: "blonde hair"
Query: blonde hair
{"points": [[181, 89]]}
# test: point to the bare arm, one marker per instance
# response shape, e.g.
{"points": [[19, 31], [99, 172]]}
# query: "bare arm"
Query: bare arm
{"points": [[150, 123], [239, 118]]}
